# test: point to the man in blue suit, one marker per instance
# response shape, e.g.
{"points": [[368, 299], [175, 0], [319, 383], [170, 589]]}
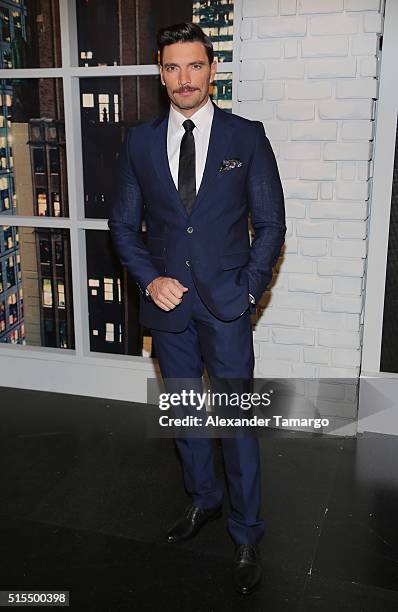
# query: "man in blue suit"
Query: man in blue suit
{"points": [[196, 174]]}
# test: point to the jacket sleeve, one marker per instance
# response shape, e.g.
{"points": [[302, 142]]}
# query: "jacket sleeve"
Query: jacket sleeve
{"points": [[267, 212], [125, 221]]}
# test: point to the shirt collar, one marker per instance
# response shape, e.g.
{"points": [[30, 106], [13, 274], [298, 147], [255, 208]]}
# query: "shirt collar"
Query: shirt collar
{"points": [[201, 118]]}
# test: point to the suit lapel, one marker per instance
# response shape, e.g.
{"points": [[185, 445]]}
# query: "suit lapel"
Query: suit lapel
{"points": [[220, 136], [161, 162]]}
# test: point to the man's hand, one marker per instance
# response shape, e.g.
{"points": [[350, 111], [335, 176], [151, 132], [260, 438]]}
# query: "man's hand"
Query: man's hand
{"points": [[166, 292]]}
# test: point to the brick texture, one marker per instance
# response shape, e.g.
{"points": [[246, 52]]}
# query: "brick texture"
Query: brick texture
{"points": [[309, 71]]}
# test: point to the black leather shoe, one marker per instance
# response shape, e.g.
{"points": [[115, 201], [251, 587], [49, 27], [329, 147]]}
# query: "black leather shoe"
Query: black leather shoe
{"points": [[247, 568], [194, 518]]}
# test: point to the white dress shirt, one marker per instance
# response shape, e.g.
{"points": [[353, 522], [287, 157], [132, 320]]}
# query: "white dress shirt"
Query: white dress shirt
{"points": [[202, 119]]}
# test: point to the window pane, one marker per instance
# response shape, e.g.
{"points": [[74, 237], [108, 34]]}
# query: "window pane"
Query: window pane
{"points": [[113, 301], [221, 91], [36, 305], [103, 128], [30, 34], [111, 32], [33, 175]]}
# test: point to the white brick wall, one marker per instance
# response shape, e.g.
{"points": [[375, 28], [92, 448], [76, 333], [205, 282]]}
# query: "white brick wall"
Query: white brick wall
{"points": [[308, 70]]}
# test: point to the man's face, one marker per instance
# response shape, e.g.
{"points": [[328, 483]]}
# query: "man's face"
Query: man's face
{"points": [[186, 73]]}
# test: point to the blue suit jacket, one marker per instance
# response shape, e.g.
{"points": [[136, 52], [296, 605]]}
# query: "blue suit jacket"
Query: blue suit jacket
{"points": [[212, 242]]}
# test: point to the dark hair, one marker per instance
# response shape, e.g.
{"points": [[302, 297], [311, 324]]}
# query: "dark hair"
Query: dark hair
{"points": [[184, 32]]}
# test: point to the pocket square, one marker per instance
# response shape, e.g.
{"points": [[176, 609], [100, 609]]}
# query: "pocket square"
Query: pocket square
{"points": [[230, 164]]}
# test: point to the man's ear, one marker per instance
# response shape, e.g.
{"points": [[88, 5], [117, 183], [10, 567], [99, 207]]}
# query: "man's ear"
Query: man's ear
{"points": [[161, 75], [213, 70], [160, 69]]}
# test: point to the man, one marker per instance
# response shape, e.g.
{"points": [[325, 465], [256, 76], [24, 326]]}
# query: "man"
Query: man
{"points": [[196, 173]]}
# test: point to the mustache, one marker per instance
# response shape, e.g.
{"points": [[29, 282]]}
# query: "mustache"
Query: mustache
{"points": [[182, 89]]}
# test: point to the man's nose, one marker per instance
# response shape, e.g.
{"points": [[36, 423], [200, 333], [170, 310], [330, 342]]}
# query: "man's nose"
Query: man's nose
{"points": [[184, 77]]}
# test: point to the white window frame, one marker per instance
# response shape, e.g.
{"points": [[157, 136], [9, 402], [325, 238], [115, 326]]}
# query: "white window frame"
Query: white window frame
{"points": [[81, 371], [384, 152], [378, 391]]}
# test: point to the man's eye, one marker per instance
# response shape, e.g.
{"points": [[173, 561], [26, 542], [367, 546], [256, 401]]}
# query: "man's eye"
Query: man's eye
{"points": [[170, 68], [196, 66]]}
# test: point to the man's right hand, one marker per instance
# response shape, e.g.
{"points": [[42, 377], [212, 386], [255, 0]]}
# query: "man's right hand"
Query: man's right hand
{"points": [[166, 292]]}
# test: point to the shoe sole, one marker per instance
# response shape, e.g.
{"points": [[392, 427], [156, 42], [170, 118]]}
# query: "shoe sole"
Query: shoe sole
{"points": [[249, 591]]}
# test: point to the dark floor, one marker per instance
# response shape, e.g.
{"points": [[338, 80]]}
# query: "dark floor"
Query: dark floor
{"points": [[86, 499]]}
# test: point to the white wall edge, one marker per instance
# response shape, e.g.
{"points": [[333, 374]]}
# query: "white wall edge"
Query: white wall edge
{"points": [[381, 193], [378, 403], [79, 377]]}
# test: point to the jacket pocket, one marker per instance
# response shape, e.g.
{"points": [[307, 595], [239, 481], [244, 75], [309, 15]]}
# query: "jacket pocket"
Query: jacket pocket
{"points": [[236, 259]]}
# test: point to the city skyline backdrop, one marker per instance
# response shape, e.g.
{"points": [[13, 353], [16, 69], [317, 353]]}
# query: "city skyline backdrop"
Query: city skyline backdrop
{"points": [[36, 301]]}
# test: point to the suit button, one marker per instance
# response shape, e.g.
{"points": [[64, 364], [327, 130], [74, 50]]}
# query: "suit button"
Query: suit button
{"points": [[188, 263], [189, 230]]}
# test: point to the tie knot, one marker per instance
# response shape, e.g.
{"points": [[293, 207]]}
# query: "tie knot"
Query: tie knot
{"points": [[188, 125]]}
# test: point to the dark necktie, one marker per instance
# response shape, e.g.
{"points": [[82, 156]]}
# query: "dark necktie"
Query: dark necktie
{"points": [[186, 168]]}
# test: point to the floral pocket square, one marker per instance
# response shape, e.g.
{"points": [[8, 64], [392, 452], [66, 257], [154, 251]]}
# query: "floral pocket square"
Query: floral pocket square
{"points": [[230, 164]]}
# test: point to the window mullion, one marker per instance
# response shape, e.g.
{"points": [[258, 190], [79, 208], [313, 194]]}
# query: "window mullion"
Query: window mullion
{"points": [[75, 175], [68, 21], [236, 61]]}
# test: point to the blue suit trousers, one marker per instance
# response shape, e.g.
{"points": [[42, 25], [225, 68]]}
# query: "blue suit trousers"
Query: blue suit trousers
{"points": [[226, 349]]}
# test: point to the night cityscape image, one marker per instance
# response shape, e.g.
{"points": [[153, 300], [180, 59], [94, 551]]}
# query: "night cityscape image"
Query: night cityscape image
{"points": [[36, 301]]}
